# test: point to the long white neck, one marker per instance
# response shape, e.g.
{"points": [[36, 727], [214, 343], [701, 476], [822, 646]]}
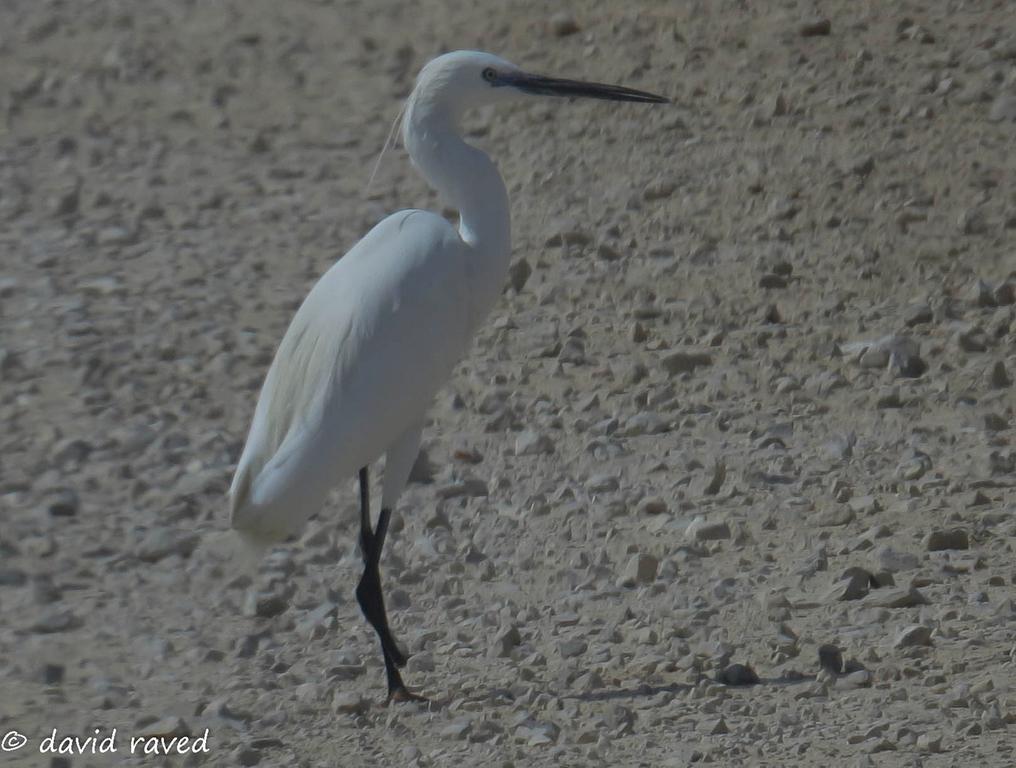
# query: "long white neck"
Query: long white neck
{"points": [[469, 181]]}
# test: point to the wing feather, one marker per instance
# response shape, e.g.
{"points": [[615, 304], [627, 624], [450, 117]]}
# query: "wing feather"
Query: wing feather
{"points": [[298, 384], [395, 293]]}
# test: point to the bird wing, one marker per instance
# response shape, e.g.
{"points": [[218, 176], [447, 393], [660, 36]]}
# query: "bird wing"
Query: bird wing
{"points": [[369, 346]]}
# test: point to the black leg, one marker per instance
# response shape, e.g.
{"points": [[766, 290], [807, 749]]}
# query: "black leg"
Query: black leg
{"points": [[366, 532], [368, 591]]}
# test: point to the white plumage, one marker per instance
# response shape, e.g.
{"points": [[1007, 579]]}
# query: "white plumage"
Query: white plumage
{"points": [[372, 343], [380, 332]]}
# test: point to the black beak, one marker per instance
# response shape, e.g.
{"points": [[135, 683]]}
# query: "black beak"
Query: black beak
{"points": [[554, 86]]}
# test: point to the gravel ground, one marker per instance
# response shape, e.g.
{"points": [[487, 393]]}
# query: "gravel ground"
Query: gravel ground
{"points": [[727, 478]]}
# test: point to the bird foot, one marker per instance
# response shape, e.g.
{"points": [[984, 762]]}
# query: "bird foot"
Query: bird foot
{"points": [[402, 694]]}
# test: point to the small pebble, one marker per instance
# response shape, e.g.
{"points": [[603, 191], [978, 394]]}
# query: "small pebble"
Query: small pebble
{"points": [[1005, 293], [913, 635], [998, 377], [860, 678], [714, 726], [562, 25], [917, 314], [1003, 108], [348, 703], [571, 648], [700, 530], [640, 569], [737, 675], [519, 273], [166, 727], [530, 443], [717, 474], [894, 560], [830, 657], [956, 538], [679, 362], [506, 640], [63, 503], [54, 621], [52, 674], [264, 605], [816, 28], [930, 742], [653, 505], [896, 598], [160, 543]]}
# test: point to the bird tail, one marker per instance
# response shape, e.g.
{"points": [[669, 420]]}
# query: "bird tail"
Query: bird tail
{"points": [[246, 544], [238, 549]]}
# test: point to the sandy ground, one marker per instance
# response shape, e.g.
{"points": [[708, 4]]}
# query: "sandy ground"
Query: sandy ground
{"points": [[754, 399]]}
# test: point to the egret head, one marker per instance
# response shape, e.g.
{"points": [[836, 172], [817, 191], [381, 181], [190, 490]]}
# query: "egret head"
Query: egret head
{"points": [[457, 81], [453, 83]]}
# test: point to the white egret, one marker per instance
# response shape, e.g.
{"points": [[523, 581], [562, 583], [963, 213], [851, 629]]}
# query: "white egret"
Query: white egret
{"points": [[381, 331]]}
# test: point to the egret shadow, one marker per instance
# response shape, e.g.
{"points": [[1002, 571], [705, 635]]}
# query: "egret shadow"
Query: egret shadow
{"points": [[503, 697]]}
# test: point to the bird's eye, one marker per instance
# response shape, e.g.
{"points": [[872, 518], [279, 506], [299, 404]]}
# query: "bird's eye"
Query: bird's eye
{"points": [[489, 74]]}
